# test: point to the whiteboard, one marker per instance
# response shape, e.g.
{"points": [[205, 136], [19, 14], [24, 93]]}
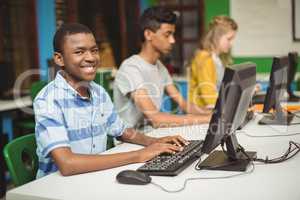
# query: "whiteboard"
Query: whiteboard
{"points": [[265, 28]]}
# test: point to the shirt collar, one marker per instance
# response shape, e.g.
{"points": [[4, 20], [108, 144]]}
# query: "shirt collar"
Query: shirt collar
{"points": [[147, 63], [61, 83]]}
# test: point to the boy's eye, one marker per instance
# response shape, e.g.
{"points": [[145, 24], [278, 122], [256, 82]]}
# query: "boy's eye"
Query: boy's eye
{"points": [[95, 50], [78, 52]]}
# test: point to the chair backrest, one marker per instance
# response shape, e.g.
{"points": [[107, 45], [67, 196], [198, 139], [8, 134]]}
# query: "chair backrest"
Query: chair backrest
{"points": [[21, 159], [105, 79], [36, 87]]}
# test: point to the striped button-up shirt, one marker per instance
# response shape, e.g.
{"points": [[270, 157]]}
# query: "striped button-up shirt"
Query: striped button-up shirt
{"points": [[66, 119]]}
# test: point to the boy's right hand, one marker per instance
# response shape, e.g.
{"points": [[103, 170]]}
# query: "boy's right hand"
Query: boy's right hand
{"points": [[156, 149]]}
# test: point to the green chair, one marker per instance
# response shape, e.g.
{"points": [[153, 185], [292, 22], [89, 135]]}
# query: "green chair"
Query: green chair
{"points": [[36, 88], [21, 159], [29, 124], [104, 78], [110, 142]]}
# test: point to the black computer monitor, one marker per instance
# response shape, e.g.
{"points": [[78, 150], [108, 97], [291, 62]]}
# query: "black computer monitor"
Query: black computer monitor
{"points": [[293, 64], [276, 94], [230, 110]]}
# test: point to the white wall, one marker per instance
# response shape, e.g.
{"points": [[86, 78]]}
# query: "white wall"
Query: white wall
{"points": [[265, 27]]}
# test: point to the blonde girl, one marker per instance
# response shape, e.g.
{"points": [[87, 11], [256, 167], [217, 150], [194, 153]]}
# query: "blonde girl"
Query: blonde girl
{"points": [[210, 60]]}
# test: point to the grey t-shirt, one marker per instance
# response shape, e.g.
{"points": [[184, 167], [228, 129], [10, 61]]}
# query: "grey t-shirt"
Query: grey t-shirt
{"points": [[136, 73]]}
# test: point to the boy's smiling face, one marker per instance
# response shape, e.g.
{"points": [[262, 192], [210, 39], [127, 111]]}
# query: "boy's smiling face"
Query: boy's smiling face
{"points": [[79, 57]]}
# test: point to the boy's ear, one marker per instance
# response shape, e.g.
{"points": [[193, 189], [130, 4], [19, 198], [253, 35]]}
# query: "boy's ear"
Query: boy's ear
{"points": [[58, 59], [148, 34]]}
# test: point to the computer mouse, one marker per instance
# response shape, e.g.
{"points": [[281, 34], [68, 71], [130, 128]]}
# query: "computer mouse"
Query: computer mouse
{"points": [[133, 177]]}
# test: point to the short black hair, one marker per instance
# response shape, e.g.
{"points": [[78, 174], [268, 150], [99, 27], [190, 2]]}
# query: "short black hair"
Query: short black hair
{"points": [[153, 17], [65, 30]]}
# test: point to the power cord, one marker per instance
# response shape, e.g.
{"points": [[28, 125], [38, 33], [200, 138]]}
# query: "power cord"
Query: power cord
{"points": [[202, 178], [286, 156]]}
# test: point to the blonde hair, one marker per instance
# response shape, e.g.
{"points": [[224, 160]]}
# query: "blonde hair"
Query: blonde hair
{"points": [[219, 26]]}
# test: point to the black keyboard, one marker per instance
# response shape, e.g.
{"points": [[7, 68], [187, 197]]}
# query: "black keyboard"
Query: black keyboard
{"points": [[173, 164]]}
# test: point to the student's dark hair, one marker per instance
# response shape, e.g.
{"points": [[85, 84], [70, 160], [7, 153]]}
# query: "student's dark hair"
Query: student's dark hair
{"points": [[65, 30], [153, 17]]}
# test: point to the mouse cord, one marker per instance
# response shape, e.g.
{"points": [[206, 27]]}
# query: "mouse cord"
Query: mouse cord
{"points": [[202, 178]]}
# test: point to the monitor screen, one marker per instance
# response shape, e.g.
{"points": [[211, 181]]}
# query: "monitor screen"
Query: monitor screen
{"points": [[276, 93], [277, 83], [292, 69], [230, 110]]}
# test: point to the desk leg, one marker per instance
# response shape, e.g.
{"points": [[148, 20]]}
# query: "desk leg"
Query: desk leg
{"points": [[2, 168], [7, 126]]}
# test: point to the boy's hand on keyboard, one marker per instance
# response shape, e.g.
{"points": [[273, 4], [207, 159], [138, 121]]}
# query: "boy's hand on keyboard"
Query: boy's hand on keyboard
{"points": [[176, 140], [156, 149]]}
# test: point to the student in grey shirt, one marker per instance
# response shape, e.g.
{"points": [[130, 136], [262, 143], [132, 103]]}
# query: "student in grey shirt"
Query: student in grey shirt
{"points": [[142, 79]]}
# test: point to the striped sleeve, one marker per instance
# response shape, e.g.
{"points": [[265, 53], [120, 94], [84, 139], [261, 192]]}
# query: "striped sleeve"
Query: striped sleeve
{"points": [[50, 130]]}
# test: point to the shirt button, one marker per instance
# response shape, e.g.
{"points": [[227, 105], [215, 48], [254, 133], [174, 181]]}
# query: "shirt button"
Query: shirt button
{"points": [[94, 146], [102, 115]]}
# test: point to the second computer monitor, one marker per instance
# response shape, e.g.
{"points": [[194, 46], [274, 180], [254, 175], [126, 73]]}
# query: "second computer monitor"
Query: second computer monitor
{"points": [[230, 110], [276, 93], [293, 65]]}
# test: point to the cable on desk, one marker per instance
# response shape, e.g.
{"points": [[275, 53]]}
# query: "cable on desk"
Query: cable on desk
{"points": [[286, 156], [203, 178]]}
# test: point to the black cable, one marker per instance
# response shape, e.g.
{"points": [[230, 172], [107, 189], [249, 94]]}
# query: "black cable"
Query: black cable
{"points": [[203, 178], [241, 148], [286, 156]]}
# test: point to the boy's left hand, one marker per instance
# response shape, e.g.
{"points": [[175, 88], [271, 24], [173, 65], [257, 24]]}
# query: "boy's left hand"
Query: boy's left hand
{"points": [[176, 140]]}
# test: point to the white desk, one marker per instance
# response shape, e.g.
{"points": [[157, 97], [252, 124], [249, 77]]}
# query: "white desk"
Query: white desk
{"points": [[276, 182], [8, 105]]}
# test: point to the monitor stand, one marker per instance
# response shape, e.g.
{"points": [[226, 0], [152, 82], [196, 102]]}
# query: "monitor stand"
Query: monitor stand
{"points": [[279, 117], [293, 98], [233, 160]]}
